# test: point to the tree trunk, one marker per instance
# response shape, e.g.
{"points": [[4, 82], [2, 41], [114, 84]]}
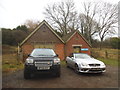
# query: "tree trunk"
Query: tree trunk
{"points": [[101, 43]]}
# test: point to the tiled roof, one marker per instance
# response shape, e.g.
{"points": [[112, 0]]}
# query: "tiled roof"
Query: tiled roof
{"points": [[63, 39], [36, 29], [66, 37]]}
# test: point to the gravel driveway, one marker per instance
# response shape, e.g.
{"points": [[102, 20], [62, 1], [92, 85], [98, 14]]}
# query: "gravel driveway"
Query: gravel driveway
{"points": [[68, 79]]}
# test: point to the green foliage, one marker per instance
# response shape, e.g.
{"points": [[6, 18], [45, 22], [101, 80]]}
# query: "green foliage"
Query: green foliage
{"points": [[115, 43], [95, 43], [7, 36], [15, 36], [22, 27]]}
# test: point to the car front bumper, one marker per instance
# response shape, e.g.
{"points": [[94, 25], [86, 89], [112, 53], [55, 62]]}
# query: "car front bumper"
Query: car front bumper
{"points": [[92, 70], [33, 69]]}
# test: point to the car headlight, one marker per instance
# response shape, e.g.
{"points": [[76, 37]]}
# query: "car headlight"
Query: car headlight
{"points": [[103, 64], [84, 64], [29, 61], [56, 61]]}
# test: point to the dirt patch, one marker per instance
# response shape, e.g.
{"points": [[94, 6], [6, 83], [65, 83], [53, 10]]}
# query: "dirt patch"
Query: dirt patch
{"points": [[68, 79]]}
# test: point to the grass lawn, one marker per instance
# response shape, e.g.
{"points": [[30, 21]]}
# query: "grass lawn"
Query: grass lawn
{"points": [[110, 62], [62, 62], [10, 63], [9, 59]]}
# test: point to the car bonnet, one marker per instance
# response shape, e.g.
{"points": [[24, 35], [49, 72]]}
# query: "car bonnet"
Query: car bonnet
{"points": [[88, 61]]}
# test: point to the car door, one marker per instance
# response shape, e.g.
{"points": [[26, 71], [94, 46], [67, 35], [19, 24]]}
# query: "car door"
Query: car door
{"points": [[71, 61], [68, 61]]}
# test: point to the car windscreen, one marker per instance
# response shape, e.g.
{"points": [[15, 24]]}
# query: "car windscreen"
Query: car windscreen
{"points": [[81, 56], [42, 52]]}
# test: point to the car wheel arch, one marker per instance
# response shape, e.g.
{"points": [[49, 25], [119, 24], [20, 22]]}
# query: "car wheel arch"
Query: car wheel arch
{"points": [[76, 68], [76, 64]]}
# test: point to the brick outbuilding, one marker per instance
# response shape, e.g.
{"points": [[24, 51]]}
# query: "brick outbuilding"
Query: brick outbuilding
{"points": [[44, 36], [75, 42]]}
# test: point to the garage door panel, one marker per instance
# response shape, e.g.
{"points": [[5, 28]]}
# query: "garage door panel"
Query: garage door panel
{"points": [[44, 46]]}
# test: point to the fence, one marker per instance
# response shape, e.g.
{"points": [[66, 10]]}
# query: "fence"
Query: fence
{"points": [[106, 53], [10, 53]]}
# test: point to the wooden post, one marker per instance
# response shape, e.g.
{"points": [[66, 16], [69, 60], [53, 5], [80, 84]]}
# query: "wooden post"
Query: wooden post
{"points": [[18, 53], [18, 49], [106, 54]]}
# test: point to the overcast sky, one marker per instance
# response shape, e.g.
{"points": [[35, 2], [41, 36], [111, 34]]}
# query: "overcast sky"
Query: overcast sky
{"points": [[16, 12]]}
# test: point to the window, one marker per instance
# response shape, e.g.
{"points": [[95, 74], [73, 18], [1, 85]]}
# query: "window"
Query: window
{"points": [[42, 52], [77, 49]]}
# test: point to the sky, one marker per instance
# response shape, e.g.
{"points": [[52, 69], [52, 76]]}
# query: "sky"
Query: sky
{"points": [[15, 12]]}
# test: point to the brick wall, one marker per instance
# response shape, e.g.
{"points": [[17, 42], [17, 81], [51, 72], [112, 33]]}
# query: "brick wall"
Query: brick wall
{"points": [[59, 49], [26, 49], [76, 40]]}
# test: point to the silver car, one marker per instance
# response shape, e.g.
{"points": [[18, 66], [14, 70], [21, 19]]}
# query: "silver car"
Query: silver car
{"points": [[84, 63]]}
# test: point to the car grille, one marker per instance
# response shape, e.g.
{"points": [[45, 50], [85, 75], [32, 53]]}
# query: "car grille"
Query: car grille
{"points": [[94, 70], [43, 63], [94, 65]]}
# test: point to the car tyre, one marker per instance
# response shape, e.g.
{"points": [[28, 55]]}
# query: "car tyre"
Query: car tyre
{"points": [[76, 69], [57, 74], [67, 65], [27, 75]]}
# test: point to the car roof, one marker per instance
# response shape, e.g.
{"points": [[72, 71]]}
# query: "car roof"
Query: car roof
{"points": [[80, 53], [43, 49]]}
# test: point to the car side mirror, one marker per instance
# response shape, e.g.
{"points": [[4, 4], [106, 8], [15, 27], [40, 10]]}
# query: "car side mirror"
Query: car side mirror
{"points": [[56, 55], [28, 55]]}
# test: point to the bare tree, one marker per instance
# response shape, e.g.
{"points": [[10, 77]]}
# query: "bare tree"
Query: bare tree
{"points": [[88, 29], [31, 24], [119, 19], [88, 21], [98, 18], [62, 16], [107, 19]]}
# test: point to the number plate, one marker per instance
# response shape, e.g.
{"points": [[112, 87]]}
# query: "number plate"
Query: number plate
{"points": [[43, 68]]}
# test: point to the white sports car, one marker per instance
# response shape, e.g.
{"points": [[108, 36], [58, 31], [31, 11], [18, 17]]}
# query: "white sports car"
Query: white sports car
{"points": [[84, 63]]}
